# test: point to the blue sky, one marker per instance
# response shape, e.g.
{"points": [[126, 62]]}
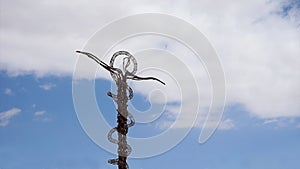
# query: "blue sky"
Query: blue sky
{"points": [[257, 43], [54, 139]]}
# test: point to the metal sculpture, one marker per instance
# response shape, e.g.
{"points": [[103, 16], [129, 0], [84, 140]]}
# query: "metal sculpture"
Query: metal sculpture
{"points": [[121, 98]]}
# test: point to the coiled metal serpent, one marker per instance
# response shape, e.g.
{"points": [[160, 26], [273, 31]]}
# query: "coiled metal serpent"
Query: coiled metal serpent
{"points": [[121, 98]]}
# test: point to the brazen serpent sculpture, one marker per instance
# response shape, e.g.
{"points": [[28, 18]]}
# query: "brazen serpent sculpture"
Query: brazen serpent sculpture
{"points": [[121, 98]]}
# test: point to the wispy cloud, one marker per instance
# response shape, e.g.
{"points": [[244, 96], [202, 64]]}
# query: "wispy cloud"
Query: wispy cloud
{"points": [[41, 117], [7, 115], [280, 122], [269, 121], [48, 86], [39, 113], [227, 124], [8, 91], [163, 125]]}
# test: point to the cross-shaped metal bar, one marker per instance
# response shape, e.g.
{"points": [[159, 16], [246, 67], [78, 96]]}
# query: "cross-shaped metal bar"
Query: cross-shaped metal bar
{"points": [[121, 98]]}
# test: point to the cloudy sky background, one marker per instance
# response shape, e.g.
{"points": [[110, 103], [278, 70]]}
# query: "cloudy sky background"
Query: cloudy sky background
{"points": [[257, 42]]}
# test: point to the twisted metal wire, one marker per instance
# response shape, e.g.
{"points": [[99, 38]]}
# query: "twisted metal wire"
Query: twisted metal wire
{"points": [[124, 148], [121, 98]]}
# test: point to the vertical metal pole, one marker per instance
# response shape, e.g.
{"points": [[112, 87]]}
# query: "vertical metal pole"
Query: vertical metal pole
{"points": [[122, 127]]}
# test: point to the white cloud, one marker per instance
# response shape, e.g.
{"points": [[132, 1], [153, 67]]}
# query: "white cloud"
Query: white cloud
{"points": [[269, 121], [7, 115], [48, 86], [40, 117], [227, 124], [280, 122], [257, 42], [8, 91], [163, 125], [39, 113]]}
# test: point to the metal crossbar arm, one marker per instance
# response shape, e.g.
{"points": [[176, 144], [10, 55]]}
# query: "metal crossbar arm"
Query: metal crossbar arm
{"points": [[134, 77], [100, 62]]}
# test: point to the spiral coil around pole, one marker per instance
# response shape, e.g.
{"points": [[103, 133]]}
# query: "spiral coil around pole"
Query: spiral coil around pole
{"points": [[121, 99], [124, 149]]}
